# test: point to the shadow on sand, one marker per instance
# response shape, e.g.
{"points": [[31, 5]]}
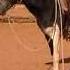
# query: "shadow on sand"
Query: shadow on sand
{"points": [[66, 60]]}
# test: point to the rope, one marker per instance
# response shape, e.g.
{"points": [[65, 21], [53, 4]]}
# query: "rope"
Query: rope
{"points": [[55, 21], [54, 28], [60, 10], [55, 48]]}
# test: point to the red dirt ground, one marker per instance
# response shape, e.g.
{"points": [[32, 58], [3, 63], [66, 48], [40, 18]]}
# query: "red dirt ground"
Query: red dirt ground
{"points": [[26, 48]]}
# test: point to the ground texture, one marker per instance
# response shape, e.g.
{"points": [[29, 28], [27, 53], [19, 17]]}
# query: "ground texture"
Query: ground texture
{"points": [[23, 45]]}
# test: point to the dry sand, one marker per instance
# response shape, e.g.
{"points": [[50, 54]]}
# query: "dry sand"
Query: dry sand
{"points": [[23, 45]]}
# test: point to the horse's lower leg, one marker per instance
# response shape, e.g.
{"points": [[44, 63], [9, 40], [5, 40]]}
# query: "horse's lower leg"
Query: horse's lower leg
{"points": [[56, 49], [53, 33]]}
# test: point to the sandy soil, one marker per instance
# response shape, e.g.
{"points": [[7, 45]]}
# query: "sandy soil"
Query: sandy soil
{"points": [[24, 47]]}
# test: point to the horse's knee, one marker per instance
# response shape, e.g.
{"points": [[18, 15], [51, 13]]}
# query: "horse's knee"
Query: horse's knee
{"points": [[49, 31]]}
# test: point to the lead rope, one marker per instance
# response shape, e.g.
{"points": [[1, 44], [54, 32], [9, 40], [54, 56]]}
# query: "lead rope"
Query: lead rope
{"points": [[55, 48], [61, 32], [60, 10]]}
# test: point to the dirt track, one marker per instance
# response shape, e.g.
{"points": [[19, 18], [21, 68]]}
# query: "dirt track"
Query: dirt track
{"points": [[24, 47]]}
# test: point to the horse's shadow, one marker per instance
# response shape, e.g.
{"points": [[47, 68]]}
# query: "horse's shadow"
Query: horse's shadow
{"points": [[66, 60]]}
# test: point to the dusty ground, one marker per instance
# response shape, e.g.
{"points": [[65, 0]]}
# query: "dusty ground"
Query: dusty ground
{"points": [[24, 47]]}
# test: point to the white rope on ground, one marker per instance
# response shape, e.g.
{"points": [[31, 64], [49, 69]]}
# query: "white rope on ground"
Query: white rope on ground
{"points": [[60, 10]]}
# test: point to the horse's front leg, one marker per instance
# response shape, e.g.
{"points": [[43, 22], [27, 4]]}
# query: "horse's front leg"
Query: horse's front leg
{"points": [[54, 35], [56, 48]]}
